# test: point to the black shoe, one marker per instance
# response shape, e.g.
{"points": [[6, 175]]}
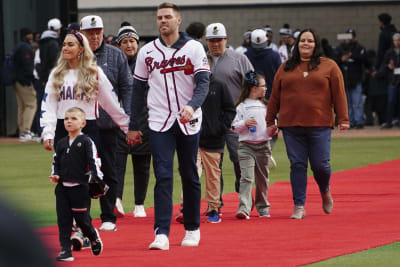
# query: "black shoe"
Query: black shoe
{"points": [[359, 126], [97, 245], [386, 126], [65, 255], [77, 240]]}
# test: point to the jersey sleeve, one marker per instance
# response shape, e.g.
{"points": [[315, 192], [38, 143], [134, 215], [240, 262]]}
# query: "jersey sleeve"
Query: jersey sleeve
{"points": [[199, 59], [141, 73], [48, 113], [109, 102]]}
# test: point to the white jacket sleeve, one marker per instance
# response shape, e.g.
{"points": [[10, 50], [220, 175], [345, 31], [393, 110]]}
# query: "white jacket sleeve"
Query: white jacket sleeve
{"points": [[238, 124], [48, 117], [109, 102]]}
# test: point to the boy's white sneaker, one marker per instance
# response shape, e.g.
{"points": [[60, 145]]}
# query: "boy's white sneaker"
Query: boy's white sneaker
{"points": [[191, 239], [139, 211], [161, 242], [108, 226]]}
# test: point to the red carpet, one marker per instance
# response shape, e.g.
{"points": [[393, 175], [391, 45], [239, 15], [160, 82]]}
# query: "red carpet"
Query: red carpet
{"points": [[366, 214]]}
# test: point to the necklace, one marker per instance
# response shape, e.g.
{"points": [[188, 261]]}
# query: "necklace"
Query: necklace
{"points": [[305, 73]]}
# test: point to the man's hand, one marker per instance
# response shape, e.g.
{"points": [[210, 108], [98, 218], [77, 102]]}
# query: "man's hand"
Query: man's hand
{"points": [[186, 114], [134, 137], [272, 130], [54, 178], [344, 126], [48, 144]]}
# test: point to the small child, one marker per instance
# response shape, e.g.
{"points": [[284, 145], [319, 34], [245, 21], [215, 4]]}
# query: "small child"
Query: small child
{"points": [[254, 145], [75, 155]]}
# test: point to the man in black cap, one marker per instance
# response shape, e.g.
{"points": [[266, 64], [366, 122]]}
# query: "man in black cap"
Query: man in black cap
{"points": [[385, 36], [26, 95]]}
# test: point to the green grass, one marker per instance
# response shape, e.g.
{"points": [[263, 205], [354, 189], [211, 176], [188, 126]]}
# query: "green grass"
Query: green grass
{"points": [[25, 168]]}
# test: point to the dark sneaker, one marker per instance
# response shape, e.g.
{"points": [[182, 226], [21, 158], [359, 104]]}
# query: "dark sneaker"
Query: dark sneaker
{"points": [[77, 240], [265, 214], [86, 243], [213, 217], [327, 201], [65, 255], [97, 245]]}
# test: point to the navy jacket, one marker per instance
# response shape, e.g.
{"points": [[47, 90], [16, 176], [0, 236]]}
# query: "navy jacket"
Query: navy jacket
{"points": [[265, 61], [23, 60], [115, 65]]}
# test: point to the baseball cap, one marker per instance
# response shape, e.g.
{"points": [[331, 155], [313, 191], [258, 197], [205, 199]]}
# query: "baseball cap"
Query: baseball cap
{"points": [[259, 38], [215, 31], [54, 24], [91, 22], [352, 31], [286, 32]]}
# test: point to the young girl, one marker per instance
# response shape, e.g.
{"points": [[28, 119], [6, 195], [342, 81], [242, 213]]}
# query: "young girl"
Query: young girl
{"points": [[254, 147]]}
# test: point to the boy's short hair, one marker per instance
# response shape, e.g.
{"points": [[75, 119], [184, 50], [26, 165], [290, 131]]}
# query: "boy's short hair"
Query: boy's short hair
{"points": [[78, 110], [169, 5]]}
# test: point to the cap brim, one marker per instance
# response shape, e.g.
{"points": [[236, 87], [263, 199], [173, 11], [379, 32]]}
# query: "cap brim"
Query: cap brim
{"points": [[215, 37]]}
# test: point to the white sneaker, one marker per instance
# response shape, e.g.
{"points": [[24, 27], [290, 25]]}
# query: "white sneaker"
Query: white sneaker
{"points": [[139, 211], [273, 162], [25, 137], [191, 239], [108, 226], [161, 242], [119, 209]]}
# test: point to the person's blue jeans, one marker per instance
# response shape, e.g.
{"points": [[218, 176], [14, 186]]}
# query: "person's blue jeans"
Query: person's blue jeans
{"points": [[393, 99], [305, 144], [163, 145], [356, 106]]}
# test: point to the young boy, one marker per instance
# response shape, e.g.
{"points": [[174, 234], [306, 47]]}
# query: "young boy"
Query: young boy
{"points": [[75, 155]]}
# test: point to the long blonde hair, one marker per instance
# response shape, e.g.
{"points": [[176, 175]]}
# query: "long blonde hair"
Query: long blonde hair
{"points": [[87, 72]]}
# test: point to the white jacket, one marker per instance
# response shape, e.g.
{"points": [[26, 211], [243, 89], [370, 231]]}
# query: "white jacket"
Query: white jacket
{"points": [[54, 108]]}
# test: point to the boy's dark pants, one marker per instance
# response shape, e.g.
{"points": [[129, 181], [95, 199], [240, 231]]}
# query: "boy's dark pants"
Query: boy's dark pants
{"points": [[73, 202]]}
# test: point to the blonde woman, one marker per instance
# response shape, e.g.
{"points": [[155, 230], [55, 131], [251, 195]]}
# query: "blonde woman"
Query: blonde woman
{"points": [[77, 81]]}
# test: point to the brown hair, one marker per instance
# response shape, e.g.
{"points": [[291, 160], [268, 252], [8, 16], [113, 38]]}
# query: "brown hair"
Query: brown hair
{"points": [[78, 110], [169, 5], [246, 89]]}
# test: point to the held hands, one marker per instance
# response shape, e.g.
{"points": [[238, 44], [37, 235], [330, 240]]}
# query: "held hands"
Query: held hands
{"points": [[134, 137], [186, 114], [48, 144], [344, 126], [272, 130], [54, 178]]}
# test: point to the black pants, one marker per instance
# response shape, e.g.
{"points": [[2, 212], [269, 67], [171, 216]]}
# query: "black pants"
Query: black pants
{"points": [[141, 169], [73, 203], [107, 153]]}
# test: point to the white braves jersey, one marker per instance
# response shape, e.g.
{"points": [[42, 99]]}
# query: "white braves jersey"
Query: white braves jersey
{"points": [[169, 73], [54, 108], [283, 53]]}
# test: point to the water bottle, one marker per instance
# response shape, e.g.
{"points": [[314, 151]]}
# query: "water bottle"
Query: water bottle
{"points": [[252, 131]]}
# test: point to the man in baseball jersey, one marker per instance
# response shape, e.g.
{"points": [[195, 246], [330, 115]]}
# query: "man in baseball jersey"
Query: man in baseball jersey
{"points": [[176, 70]]}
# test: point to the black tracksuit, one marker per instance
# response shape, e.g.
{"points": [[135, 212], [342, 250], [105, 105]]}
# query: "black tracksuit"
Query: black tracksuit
{"points": [[71, 163]]}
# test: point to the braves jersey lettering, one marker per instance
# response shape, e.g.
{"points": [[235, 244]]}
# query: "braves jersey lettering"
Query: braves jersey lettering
{"points": [[173, 63]]}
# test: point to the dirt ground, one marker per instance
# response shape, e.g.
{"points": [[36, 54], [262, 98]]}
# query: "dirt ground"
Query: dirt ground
{"points": [[369, 131]]}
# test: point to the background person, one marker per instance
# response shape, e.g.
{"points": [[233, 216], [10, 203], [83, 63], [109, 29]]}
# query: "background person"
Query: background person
{"points": [[306, 100], [115, 66], [128, 40]]}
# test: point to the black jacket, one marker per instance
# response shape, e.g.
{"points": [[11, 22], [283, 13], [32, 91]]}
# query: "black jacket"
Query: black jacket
{"points": [[49, 49], [352, 69], [218, 113], [23, 63], [72, 163], [387, 73], [385, 42], [115, 66]]}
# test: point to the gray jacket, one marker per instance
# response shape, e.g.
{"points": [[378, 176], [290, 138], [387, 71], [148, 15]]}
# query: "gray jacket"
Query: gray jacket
{"points": [[115, 65]]}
